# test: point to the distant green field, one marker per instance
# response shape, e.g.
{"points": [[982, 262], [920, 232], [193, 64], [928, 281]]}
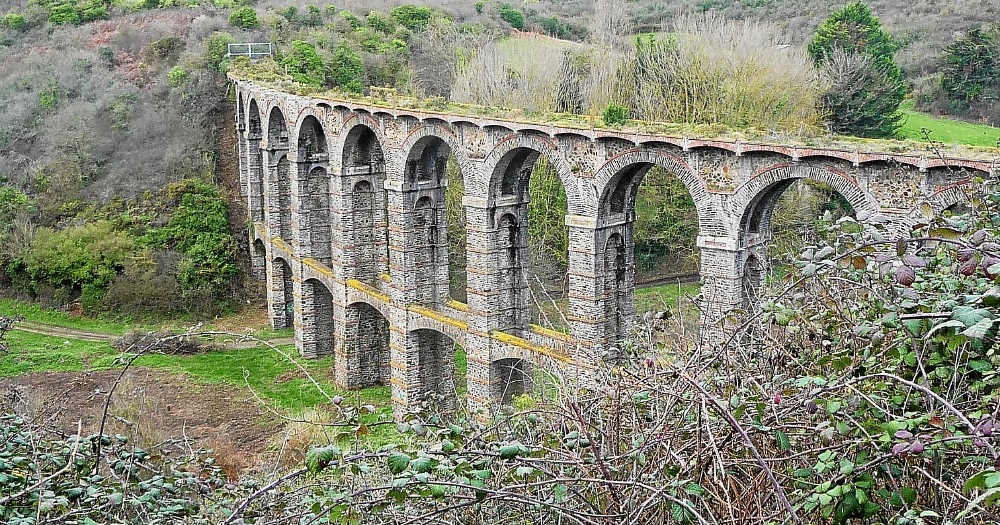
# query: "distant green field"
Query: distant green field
{"points": [[945, 130]]}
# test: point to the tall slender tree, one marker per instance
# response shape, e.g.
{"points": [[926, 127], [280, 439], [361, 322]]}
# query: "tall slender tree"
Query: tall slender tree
{"points": [[872, 108]]}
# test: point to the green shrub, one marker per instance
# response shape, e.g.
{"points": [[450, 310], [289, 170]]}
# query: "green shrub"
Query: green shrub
{"points": [[381, 23], [218, 48], [178, 76], [198, 229], [615, 114], [347, 69], [14, 21], [60, 14], [313, 17], [85, 257], [479, 6], [512, 16], [244, 18], [351, 19], [93, 10], [48, 97], [412, 17], [304, 64]]}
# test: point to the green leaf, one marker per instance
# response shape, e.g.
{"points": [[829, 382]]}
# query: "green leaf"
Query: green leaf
{"points": [[980, 365], [511, 450], [399, 462], [969, 315], [978, 330], [833, 406], [694, 489], [421, 465], [319, 457], [784, 444], [524, 471]]}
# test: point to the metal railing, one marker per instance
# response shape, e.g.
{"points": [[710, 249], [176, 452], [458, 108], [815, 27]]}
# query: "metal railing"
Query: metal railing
{"points": [[253, 50]]}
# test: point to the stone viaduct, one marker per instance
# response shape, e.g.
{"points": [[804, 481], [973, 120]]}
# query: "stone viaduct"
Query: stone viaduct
{"points": [[346, 201]]}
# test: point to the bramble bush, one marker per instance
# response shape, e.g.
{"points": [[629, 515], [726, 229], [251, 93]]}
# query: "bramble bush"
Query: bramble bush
{"points": [[244, 18]]}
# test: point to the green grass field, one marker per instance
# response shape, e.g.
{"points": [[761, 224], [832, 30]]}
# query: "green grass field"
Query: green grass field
{"points": [[945, 130]]}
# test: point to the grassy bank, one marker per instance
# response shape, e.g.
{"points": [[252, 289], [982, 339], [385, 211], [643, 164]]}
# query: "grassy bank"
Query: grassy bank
{"points": [[945, 130]]}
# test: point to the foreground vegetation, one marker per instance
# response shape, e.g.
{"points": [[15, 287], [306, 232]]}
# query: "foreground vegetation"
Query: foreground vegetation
{"points": [[862, 389]]}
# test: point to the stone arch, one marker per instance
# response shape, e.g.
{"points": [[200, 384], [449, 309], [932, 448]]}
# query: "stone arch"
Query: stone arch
{"points": [[312, 143], [754, 272], [255, 163], [277, 129], [510, 163], [616, 296], [241, 113], [512, 240], [317, 330], [427, 160], [430, 252], [254, 126], [618, 182], [512, 377], [434, 353], [280, 294], [420, 136], [365, 357], [258, 260], [370, 261], [360, 145], [318, 212], [754, 201]]}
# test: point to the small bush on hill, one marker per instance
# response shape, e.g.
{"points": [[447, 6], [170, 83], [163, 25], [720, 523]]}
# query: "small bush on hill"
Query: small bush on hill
{"points": [[244, 18], [304, 64], [347, 69], [414, 18], [512, 16]]}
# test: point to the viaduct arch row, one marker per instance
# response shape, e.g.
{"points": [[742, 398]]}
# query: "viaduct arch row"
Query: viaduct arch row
{"points": [[347, 204]]}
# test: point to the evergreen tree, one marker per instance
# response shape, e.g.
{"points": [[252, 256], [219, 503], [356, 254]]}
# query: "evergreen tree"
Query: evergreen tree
{"points": [[972, 68], [872, 110]]}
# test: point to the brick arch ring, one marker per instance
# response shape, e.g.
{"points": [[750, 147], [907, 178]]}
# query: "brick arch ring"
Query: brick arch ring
{"points": [[354, 121], [446, 135], [606, 175], [547, 149], [750, 193]]}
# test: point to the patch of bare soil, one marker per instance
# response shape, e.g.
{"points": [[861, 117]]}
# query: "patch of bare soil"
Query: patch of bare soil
{"points": [[166, 413]]}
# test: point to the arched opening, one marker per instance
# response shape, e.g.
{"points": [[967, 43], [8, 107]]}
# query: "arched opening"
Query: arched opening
{"points": [[781, 220], [436, 377], [366, 346], [317, 319], [431, 255], [651, 261], [753, 279], [277, 130], [258, 261], [528, 207], [512, 378], [255, 164], [617, 300], [312, 141], [433, 172], [277, 140], [363, 179], [280, 297], [318, 211]]}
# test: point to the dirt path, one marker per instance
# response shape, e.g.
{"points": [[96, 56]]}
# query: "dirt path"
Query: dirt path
{"points": [[236, 341]]}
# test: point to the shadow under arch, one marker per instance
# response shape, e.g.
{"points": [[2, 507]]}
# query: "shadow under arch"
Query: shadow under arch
{"points": [[362, 180], [617, 216], [435, 377], [318, 325], [364, 356]]}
